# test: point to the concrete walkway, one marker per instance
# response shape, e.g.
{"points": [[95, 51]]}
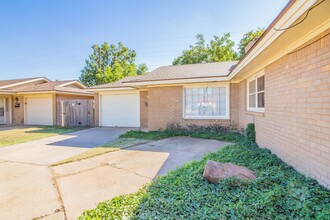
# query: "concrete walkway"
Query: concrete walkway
{"points": [[65, 191]]}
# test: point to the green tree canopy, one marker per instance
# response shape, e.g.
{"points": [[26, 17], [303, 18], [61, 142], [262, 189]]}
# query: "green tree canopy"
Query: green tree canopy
{"points": [[109, 63], [222, 49], [249, 36], [219, 49], [196, 54]]}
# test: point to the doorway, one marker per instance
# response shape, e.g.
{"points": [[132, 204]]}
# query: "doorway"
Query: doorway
{"points": [[2, 110]]}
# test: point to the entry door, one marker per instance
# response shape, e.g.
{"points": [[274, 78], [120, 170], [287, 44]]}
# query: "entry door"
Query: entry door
{"points": [[2, 110]]}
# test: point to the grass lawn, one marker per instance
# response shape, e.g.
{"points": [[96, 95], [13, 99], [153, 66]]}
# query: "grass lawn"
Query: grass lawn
{"points": [[115, 145], [279, 192], [17, 135]]}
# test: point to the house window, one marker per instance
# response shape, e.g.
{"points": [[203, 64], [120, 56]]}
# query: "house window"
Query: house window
{"points": [[206, 102], [256, 93]]}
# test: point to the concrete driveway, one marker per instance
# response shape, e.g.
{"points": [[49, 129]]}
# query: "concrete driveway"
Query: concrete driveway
{"points": [[65, 191], [53, 149]]}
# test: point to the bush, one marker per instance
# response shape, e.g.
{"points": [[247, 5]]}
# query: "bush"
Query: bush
{"points": [[198, 128], [279, 192], [250, 132], [230, 136]]}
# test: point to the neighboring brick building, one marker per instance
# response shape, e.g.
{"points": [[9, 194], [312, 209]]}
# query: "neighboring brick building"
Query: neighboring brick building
{"points": [[33, 101], [282, 84]]}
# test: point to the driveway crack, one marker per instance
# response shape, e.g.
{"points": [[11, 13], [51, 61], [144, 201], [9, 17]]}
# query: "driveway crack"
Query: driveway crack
{"points": [[78, 172], [43, 216], [114, 165], [58, 192]]}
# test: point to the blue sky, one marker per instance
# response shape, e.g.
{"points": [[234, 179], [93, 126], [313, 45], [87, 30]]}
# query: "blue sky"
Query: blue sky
{"points": [[53, 38]]}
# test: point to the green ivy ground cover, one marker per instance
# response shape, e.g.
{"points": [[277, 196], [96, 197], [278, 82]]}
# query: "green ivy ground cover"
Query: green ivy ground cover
{"points": [[279, 192]]}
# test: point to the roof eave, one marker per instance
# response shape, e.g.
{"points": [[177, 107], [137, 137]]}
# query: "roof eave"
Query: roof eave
{"points": [[110, 89], [291, 12], [179, 81], [4, 92], [54, 92]]}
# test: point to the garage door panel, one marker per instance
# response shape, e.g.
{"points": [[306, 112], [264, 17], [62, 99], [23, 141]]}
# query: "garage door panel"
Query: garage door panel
{"points": [[39, 111], [120, 110]]}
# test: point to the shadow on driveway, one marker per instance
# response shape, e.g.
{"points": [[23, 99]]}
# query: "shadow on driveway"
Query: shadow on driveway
{"points": [[50, 150], [91, 138]]}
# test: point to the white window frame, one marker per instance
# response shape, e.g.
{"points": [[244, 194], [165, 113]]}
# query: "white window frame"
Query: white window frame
{"points": [[255, 77], [205, 117]]}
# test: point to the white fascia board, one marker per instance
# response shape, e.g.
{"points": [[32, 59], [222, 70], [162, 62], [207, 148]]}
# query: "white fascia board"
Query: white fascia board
{"points": [[5, 92], [111, 89], [178, 81], [298, 9], [40, 92]]}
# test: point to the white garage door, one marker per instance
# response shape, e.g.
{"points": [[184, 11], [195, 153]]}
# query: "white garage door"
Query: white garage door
{"points": [[38, 111], [120, 110]]}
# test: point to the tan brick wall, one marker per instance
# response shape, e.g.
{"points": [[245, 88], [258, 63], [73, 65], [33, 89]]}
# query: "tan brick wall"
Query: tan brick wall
{"points": [[296, 122], [234, 104], [96, 109], [165, 107], [144, 109], [244, 118], [54, 98]]}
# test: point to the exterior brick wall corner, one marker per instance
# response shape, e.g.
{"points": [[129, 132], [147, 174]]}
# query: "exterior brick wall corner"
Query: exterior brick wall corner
{"points": [[296, 121]]}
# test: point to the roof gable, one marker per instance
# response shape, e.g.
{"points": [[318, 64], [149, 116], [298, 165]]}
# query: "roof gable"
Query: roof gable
{"points": [[7, 84], [73, 84]]}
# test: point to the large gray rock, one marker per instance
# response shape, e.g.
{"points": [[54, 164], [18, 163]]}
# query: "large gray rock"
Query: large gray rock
{"points": [[214, 171]]}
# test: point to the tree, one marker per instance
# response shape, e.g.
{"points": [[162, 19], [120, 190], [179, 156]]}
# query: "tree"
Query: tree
{"points": [[109, 63], [196, 54], [222, 49], [247, 37], [219, 49]]}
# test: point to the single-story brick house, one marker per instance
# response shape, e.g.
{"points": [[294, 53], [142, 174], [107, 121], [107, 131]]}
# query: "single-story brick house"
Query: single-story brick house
{"points": [[282, 85], [32, 101]]}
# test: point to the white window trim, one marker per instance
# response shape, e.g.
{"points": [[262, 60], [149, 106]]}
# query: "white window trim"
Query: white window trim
{"points": [[225, 117], [254, 77]]}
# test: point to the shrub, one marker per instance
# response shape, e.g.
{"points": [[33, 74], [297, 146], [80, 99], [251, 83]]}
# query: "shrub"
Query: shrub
{"points": [[198, 128], [230, 136], [250, 132]]}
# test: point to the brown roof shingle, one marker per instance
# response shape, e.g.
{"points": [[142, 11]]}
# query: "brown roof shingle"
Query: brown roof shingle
{"points": [[14, 81], [45, 86], [117, 84], [175, 72], [187, 71], [48, 86]]}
